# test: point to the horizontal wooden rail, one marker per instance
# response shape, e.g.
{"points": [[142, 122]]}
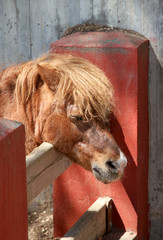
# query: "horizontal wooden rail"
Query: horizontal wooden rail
{"points": [[94, 222], [43, 165]]}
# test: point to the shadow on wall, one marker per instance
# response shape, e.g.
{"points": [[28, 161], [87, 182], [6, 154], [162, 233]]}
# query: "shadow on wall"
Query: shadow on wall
{"points": [[131, 169]]}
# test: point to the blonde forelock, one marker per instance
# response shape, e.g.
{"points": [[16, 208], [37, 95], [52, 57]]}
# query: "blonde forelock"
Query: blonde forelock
{"points": [[80, 82]]}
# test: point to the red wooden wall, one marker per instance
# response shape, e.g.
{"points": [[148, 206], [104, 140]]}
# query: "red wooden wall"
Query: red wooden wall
{"points": [[124, 59], [13, 194]]}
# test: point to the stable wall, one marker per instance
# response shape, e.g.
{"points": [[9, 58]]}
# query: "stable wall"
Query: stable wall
{"points": [[124, 59]]}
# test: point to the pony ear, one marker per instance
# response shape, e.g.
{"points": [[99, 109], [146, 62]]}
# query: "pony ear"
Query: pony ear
{"points": [[48, 76]]}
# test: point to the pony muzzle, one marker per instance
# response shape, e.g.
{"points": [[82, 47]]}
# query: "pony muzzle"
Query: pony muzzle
{"points": [[110, 170]]}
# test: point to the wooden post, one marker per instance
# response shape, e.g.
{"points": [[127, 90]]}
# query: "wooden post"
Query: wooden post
{"points": [[124, 59], [13, 194]]}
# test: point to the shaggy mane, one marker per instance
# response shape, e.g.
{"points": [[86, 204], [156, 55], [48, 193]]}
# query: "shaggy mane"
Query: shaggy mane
{"points": [[79, 82]]}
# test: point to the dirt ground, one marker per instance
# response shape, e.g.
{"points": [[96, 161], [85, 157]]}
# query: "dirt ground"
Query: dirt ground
{"points": [[40, 225]]}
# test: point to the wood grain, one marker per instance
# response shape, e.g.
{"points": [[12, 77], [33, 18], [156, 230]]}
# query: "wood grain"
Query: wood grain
{"points": [[43, 165], [92, 224]]}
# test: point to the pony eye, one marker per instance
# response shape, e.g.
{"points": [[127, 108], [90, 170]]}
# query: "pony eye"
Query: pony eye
{"points": [[79, 118], [76, 118]]}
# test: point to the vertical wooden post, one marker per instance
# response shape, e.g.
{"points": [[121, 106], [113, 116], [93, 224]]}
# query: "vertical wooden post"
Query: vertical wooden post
{"points": [[13, 194], [124, 59]]}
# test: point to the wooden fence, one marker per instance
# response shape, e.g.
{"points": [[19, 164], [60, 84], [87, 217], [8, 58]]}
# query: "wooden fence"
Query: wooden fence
{"points": [[43, 166]]}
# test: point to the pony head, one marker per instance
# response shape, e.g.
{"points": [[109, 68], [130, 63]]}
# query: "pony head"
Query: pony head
{"points": [[68, 101]]}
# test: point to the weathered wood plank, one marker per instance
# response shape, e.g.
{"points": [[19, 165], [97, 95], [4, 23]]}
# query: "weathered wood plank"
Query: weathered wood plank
{"points": [[119, 235], [92, 224], [129, 236], [43, 166]]}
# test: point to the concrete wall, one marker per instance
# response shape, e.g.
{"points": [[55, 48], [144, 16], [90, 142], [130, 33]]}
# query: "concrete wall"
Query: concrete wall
{"points": [[28, 27]]}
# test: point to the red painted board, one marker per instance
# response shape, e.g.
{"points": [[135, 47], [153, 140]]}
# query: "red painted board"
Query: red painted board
{"points": [[124, 59], [13, 194]]}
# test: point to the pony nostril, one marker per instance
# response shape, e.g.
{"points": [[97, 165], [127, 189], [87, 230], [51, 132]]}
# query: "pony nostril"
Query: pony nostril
{"points": [[111, 165]]}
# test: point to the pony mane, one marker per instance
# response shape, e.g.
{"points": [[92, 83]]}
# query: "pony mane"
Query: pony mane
{"points": [[79, 82]]}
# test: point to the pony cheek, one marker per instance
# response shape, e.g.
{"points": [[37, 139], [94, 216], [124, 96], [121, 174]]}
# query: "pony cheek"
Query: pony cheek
{"points": [[49, 136], [82, 154], [62, 134]]}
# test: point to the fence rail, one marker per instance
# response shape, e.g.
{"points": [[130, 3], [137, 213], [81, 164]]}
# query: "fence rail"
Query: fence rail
{"points": [[94, 223], [43, 166]]}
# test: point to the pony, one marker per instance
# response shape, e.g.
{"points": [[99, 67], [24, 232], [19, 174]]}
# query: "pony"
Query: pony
{"points": [[66, 101]]}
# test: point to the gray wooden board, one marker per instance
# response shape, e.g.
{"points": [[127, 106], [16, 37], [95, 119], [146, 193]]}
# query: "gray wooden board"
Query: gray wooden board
{"points": [[92, 224], [43, 166]]}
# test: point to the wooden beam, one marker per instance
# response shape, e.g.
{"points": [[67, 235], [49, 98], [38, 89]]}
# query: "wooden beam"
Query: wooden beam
{"points": [[43, 165], [129, 236], [120, 235], [13, 195], [93, 223]]}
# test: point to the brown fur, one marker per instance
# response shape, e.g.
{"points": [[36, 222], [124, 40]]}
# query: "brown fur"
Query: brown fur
{"points": [[63, 100]]}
